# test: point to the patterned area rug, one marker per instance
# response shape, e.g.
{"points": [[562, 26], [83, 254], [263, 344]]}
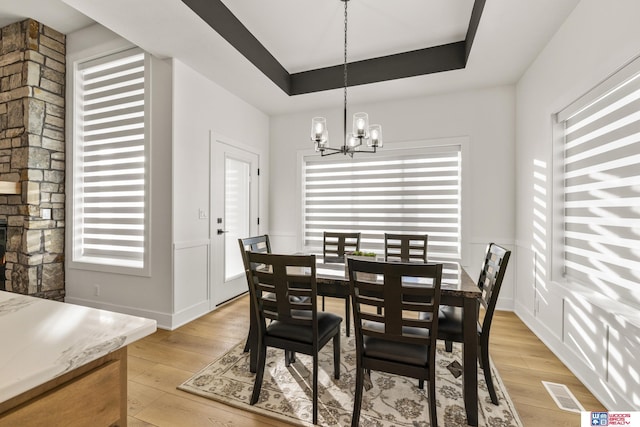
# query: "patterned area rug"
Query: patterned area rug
{"points": [[392, 401]]}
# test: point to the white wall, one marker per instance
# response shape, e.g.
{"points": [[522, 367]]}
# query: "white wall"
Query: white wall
{"points": [[200, 107], [600, 347], [485, 117], [138, 295]]}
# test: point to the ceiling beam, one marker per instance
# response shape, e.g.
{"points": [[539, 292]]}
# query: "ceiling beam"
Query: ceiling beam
{"points": [[436, 59], [407, 64], [225, 23]]}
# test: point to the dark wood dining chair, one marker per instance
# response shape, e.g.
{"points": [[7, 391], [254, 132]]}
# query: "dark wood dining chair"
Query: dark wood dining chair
{"points": [[396, 340], [334, 246], [450, 318], [253, 244], [296, 326], [405, 247]]}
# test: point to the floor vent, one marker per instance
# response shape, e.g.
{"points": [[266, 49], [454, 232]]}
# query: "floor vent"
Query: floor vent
{"points": [[563, 397]]}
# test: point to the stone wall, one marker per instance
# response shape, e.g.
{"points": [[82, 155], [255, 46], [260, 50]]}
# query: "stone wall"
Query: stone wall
{"points": [[32, 152]]}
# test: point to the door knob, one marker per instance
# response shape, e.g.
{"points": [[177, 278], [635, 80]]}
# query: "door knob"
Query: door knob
{"points": [[221, 231]]}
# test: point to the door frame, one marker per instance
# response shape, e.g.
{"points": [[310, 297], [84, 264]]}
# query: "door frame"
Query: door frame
{"points": [[216, 208]]}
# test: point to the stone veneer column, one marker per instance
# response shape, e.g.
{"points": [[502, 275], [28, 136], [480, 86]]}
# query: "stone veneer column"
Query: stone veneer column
{"points": [[32, 152]]}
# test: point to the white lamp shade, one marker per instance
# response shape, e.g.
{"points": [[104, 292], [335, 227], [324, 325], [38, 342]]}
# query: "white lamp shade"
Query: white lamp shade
{"points": [[319, 132], [361, 125], [352, 141], [375, 136]]}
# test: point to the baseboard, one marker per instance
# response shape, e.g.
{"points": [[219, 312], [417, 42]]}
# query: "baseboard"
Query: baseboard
{"points": [[163, 319], [188, 314]]}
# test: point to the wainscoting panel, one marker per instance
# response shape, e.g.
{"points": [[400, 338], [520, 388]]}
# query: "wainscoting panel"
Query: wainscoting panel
{"points": [[191, 277]]}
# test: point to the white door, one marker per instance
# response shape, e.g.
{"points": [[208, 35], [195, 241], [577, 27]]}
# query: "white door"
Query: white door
{"points": [[234, 215]]}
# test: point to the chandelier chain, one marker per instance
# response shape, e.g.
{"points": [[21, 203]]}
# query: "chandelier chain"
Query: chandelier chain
{"points": [[344, 71]]}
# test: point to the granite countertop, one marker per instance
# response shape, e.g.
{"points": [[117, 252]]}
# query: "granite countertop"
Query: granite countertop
{"points": [[42, 339]]}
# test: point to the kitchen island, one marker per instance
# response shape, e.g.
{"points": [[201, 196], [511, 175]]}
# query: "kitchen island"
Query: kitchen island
{"points": [[64, 364]]}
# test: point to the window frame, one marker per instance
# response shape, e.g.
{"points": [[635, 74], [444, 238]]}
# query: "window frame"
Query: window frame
{"points": [[399, 148], [611, 82], [75, 160]]}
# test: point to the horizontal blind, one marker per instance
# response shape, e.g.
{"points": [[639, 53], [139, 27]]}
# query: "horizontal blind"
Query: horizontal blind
{"points": [[602, 193], [416, 192], [112, 159]]}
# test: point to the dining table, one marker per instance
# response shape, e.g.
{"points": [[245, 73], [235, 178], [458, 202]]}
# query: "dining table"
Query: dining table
{"points": [[457, 289]]}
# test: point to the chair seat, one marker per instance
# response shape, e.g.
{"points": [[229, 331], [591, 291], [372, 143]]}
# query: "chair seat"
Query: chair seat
{"points": [[327, 322], [450, 323], [394, 351]]}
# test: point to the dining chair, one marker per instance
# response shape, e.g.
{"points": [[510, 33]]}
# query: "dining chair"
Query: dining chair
{"points": [[259, 244], [405, 247], [253, 244], [334, 246], [450, 318], [296, 326], [396, 340]]}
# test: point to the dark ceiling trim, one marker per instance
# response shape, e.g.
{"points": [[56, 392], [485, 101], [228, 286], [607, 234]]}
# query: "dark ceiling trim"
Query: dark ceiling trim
{"points": [[430, 60], [408, 64], [225, 23], [474, 22]]}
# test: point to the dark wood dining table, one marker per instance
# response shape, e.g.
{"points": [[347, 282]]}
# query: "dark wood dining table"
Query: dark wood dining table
{"points": [[457, 289]]}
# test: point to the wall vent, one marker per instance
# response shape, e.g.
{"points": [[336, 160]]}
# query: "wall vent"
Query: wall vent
{"points": [[563, 397]]}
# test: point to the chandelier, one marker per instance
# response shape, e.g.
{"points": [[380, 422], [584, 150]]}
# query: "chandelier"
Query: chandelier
{"points": [[362, 132]]}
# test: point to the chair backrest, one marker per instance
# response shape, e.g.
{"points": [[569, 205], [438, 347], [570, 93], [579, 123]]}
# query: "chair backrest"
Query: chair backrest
{"points": [[335, 245], [490, 281], [405, 247], [392, 296], [254, 244], [283, 277]]}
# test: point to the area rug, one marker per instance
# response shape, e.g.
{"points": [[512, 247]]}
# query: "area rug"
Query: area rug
{"points": [[392, 401]]}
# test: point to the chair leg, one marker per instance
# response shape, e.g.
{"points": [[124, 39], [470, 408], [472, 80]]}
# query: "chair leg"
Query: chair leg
{"points": [[257, 384], [357, 400], [247, 345], [336, 355], [347, 304], [323, 303], [483, 354], [315, 389], [433, 418], [448, 346], [421, 384], [289, 357]]}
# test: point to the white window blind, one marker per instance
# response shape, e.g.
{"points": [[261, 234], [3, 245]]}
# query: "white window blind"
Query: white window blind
{"points": [[406, 192], [109, 202], [602, 188]]}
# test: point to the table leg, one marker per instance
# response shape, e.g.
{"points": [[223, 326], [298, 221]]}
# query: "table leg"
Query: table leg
{"points": [[470, 360]]}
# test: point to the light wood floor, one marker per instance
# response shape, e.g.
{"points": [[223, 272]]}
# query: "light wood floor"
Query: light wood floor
{"points": [[162, 361]]}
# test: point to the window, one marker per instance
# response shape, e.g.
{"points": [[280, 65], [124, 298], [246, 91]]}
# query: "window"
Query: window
{"points": [[601, 187], [395, 191], [109, 175]]}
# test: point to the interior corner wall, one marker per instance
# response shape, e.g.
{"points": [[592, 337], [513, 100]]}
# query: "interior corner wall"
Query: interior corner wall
{"points": [[596, 39], [486, 117], [202, 107], [151, 296]]}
